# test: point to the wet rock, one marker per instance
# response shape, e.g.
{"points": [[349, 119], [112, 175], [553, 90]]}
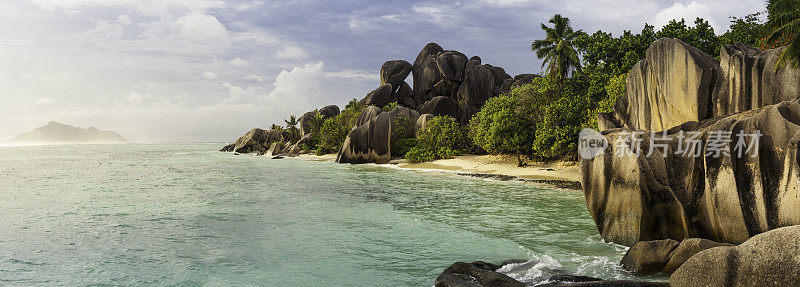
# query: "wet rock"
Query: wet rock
{"points": [[648, 257], [477, 274], [257, 141], [228, 148], [768, 259]]}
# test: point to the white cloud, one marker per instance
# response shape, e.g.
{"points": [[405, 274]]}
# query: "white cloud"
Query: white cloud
{"points": [[209, 75], [124, 20], [201, 27], [350, 74], [296, 89], [291, 53], [239, 63], [44, 101], [688, 12]]}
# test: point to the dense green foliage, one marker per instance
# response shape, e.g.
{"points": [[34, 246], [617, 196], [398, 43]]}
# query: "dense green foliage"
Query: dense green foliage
{"points": [[504, 125], [389, 107], [784, 26], [335, 129], [443, 137], [291, 126]]}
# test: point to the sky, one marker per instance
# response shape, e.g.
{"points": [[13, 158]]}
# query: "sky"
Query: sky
{"points": [[210, 70]]}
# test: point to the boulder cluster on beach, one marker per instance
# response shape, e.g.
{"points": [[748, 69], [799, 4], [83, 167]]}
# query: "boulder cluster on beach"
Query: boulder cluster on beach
{"points": [[445, 83]]}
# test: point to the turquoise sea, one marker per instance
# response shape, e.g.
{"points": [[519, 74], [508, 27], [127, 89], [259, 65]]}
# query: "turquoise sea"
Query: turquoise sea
{"points": [[188, 215]]}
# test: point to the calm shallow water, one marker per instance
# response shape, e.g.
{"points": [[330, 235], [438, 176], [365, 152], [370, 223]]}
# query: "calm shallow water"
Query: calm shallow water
{"points": [[187, 215]]}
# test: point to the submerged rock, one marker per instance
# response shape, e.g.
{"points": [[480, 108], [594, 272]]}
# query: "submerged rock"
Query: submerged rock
{"points": [[476, 274], [768, 259]]}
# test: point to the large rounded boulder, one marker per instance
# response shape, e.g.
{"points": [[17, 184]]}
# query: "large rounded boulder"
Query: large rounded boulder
{"points": [[395, 72], [451, 65], [329, 111], [478, 86], [379, 97], [768, 259], [425, 72]]}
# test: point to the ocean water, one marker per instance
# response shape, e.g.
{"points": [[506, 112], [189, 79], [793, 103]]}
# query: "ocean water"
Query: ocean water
{"points": [[187, 215]]}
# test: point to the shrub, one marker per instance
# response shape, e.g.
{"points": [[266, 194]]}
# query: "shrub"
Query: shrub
{"points": [[336, 129], [442, 138], [502, 126], [389, 107], [403, 146]]}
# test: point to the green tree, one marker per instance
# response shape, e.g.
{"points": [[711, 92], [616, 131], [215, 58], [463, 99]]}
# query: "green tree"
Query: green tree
{"points": [[503, 126], [748, 30], [275, 127], [336, 129], [291, 126], [783, 23], [557, 48], [701, 36], [316, 122]]}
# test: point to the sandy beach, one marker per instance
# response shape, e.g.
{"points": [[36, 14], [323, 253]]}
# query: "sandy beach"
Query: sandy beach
{"points": [[564, 174]]}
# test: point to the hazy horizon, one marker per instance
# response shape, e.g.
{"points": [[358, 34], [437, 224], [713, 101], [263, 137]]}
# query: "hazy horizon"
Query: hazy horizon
{"points": [[208, 71]]}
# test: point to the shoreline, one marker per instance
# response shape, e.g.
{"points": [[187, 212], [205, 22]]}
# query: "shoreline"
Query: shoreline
{"points": [[558, 174]]}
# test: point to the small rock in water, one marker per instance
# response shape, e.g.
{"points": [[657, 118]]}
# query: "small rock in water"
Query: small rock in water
{"points": [[476, 274], [277, 157]]}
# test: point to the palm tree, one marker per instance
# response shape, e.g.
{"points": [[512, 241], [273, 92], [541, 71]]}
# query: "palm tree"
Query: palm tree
{"points": [[783, 23], [291, 125], [275, 127], [556, 49]]}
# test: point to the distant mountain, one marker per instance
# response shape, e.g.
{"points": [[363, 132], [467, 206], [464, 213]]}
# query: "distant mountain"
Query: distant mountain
{"points": [[58, 132]]}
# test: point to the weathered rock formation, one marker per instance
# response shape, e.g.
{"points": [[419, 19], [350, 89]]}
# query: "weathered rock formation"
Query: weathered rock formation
{"points": [[663, 256], [258, 140], [446, 82], [768, 259], [379, 97], [395, 72], [677, 194], [749, 80], [671, 86], [371, 142], [441, 106]]}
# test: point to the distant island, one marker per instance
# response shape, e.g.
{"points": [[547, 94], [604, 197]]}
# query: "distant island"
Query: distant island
{"points": [[57, 132]]}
